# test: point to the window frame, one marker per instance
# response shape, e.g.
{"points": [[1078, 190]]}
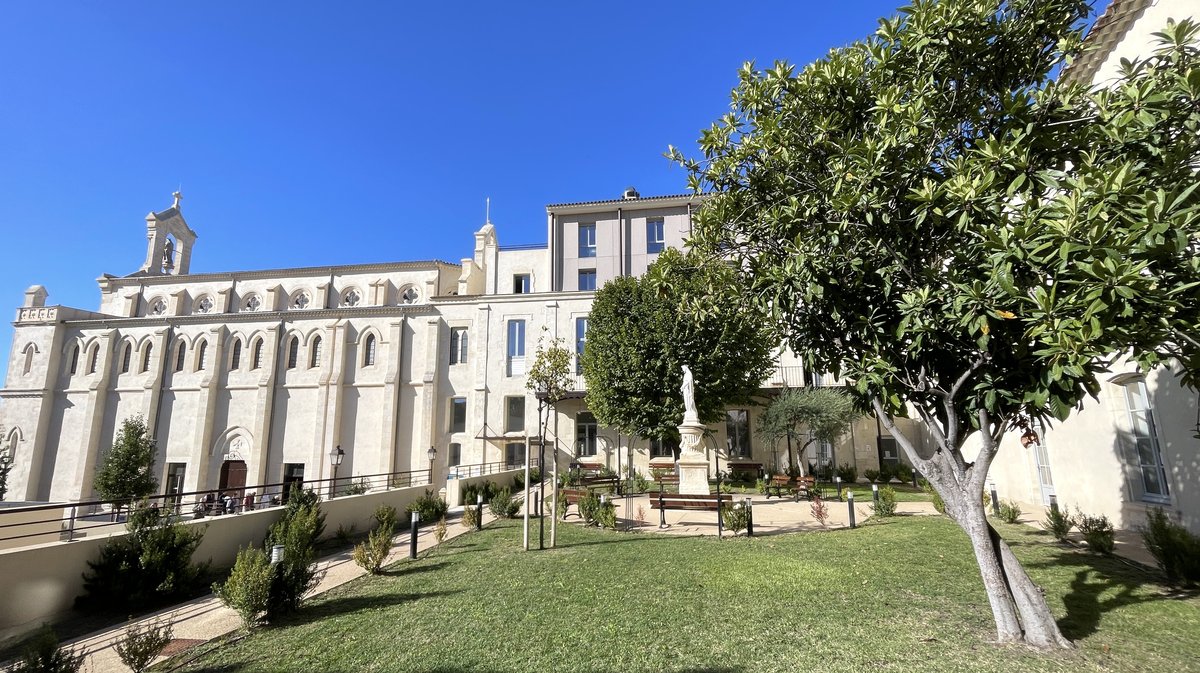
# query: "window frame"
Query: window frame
{"points": [[459, 339], [655, 244], [590, 285], [581, 340], [510, 404], [587, 433], [522, 283], [587, 240], [369, 348], [735, 435], [1143, 428], [458, 415]]}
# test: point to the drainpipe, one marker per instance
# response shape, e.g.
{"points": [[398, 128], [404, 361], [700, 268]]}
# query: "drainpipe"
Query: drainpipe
{"points": [[620, 241]]}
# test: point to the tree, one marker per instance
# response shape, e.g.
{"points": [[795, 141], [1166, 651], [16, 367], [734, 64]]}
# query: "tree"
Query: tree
{"points": [[642, 330], [550, 380], [128, 470], [929, 214], [807, 415]]}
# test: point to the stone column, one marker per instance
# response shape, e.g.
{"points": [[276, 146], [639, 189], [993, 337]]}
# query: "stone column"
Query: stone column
{"points": [[693, 465]]}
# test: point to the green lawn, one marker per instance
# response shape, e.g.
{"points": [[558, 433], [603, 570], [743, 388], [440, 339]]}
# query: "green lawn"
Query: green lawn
{"points": [[900, 594]]}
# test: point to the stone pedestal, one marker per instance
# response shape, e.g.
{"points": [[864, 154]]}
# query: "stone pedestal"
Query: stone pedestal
{"points": [[693, 465]]}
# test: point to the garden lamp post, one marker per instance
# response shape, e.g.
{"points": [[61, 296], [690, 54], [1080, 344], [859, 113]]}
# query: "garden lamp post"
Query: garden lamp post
{"points": [[335, 459], [541, 393], [432, 455]]}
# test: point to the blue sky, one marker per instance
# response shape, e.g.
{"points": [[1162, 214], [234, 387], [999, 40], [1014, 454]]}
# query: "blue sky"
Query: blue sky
{"points": [[334, 133]]}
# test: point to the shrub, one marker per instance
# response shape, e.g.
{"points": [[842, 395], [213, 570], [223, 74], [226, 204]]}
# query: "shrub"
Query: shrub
{"points": [[904, 473], [607, 472], [385, 515], [725, 487], [470, 516], [45, 655], [1175, 548], [1010, 512], [871, 475], [487, 489], [1059, 523], [638, 482], [503, 505], [344, 535], [588, 506], [355, 487], [150, 566], [819, 511], [606, 515], [142, 644], [887, 502], [1097, 533], [248, 588], [297, 530], [562, 506], [760, 486], [371, 554], [886, 472], [439, 532], [848, 473], [735, 517], [431, 507]]}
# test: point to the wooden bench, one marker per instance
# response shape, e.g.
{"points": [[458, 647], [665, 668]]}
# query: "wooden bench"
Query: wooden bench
{"points": [[712, 502], [667, 479], [594, 483], [800, 487]]}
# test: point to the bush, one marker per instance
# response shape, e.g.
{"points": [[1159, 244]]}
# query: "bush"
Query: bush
{"points": [[385, 515], [470, 517], [503, 505], [1059, 523], [589, 505], [247, 590], [439, 532], [570, 478], [1097, 533], [735, 517], [371, 554], [637, 482], [1175, 548], [886, 472], [470, 492], [848, 473], [606, 515], [887, 502], [142, 644], [871, 475], [150, 566], [45, 655], [355, 487], [431, 507], [904, 473], [1010, 512], [819, 510], [297, 530], [760, 486]]}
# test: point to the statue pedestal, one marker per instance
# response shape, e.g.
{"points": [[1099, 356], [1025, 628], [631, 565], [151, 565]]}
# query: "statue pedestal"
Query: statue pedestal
{"points": [[693, 466]]}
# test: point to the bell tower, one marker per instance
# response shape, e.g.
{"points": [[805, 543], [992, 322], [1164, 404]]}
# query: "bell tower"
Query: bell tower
{"points": [[170, 241]]}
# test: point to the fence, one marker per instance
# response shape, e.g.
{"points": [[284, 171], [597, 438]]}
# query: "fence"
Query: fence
{"points": [[36, 525]]}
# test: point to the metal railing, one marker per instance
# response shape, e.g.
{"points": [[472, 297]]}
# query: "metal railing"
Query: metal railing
{"points": [[79, 519], [484, 469]]}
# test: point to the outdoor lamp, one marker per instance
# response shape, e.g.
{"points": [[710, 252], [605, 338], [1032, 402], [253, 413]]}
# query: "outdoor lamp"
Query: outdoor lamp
{"points": [[335, 456], [431, 454]]}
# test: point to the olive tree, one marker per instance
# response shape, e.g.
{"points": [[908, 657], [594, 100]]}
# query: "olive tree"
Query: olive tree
{"points": [[930, 214], [549, 379], [805, 416]]}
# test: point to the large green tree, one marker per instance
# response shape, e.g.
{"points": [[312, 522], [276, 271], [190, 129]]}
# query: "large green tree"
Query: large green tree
{"points": [[127, 473], [642, 330], [930, 214], [806, 415]]}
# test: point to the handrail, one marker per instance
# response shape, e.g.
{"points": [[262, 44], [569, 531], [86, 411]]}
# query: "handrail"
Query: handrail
{"points": [[202, 503]]}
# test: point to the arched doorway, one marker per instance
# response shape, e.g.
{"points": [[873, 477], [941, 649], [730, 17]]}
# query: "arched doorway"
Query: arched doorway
{"points": [[233, 477]]}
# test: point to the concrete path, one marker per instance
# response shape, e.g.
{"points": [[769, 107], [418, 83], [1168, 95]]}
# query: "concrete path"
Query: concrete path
{"points": [[205, 618]]}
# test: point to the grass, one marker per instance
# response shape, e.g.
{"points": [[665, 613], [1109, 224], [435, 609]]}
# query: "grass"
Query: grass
{"points": [[896, 595]]}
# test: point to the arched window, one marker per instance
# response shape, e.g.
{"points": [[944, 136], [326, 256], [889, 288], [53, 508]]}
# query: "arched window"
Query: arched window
{"points": [[235, 360], [293, 352], [314, 360], [369, 351], [30, 349], [74, 360], [180, 355], [201, 356], [126, 356], [94, 359], [256, 354], [146, 357]]}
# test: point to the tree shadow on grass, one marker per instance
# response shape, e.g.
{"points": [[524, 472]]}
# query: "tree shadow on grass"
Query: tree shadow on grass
{"points": [[1096, 577], [350, 604], [411, 569]]}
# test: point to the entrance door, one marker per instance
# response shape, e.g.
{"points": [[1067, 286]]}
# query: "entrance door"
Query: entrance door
{"points": [[175, 472], [293, 474], [233, 477]]}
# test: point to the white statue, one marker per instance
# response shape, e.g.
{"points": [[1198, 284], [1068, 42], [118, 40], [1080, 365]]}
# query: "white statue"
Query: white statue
{"points": [[689, 396]]}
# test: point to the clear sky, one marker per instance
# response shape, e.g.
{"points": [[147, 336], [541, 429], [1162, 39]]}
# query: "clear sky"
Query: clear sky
{"points": [[306, 133]]}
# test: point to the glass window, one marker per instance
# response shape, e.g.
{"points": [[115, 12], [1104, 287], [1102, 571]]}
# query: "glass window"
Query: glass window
{"points": [[125, 358], [93, 359], [458, 345], [585, 434], [458, 414], [174, 485], [1145, 440], [587, 240], [314, 359], [369, 351], [737, 429], [587, 279], [74, 360], [581, 327], [180, 356], [516, 338], [202, 356], [293, 352], [659, 449], [655, 242], [514, 455], [455, 456], [521, 284], [293, 474], [146, 357], [256, 356], [235, 359], [515, 414]]}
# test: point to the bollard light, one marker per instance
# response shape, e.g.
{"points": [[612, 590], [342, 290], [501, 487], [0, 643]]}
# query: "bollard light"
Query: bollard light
{"points": [[995, 499], [412, 536], [749, 505], [875, 493], [838, 481], [850, 499], [276, 554]]}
